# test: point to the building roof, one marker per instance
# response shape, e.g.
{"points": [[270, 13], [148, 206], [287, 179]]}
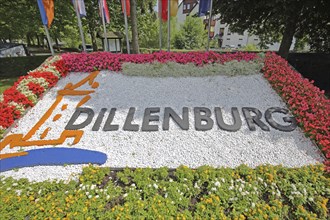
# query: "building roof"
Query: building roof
{"points": [[5, 46], [110, 35]]}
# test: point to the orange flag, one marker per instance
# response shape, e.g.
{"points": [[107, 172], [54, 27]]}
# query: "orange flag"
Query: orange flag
{"points": [[174, 7], [49, 8]]}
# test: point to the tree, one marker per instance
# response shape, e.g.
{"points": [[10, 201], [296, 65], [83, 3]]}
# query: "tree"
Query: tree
{"points": [[64, 18], [281, 19], [145, 8], [191, 34], [18, 19], [135, 40]]}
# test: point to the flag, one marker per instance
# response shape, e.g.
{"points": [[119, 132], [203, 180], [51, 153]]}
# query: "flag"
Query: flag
{"points": [[46, 8], [128, 7], [204, 7], [164, 10], [174, 7], [80, 7], [105, 10]]}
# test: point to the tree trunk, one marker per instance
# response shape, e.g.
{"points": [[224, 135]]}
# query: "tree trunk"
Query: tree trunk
{"points": [[28, 40], [93, 37], [38, 40], [135, 37], [288, 34], [57, 44]]}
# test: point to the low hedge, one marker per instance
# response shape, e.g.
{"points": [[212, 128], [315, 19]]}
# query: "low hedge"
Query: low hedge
{"points": [[19, 66], [266, 192]]}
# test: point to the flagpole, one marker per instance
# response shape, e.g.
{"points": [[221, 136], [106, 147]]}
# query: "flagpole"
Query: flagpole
{"points": [[160, 24], [49, 40], [209, 29], [80, 26], [126, 28], [168, 26], [104, 28]]}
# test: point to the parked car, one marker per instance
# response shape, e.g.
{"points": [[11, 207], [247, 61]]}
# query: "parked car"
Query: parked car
{"points": [[231, 47], [89, 48]]}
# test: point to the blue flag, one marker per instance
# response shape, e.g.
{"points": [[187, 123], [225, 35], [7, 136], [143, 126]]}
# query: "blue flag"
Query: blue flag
{"points": [[42, 12], [204, 7]]}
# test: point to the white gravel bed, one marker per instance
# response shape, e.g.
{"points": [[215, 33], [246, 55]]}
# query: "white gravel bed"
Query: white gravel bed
{"points": [[174, 147]]}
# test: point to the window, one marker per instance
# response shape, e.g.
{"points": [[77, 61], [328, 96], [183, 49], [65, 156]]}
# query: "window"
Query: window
{"points": [[228, 38], [255, 39], [239, 45], [221, 32], [188, 5], [240, 39]]}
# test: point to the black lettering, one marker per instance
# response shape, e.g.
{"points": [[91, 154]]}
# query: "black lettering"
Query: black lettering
{"points": [[108, 126], [252, 120], [76, 114], [148, 118], [206, 117], [99, 119], [274, 124], [128, 126], [236, 119], [183, 122]]}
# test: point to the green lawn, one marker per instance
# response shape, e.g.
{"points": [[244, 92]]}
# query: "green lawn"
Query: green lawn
{"points": [[6, 83]]}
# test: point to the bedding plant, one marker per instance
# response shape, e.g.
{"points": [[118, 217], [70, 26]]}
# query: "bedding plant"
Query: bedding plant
{"points": [[266, 192]]}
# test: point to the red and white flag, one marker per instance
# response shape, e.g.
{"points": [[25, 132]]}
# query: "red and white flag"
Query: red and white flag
{"points": [[104, 6], [128, 7]]}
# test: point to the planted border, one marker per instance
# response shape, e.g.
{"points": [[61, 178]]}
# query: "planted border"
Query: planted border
{"points": [[266, 192], [307, 102]]}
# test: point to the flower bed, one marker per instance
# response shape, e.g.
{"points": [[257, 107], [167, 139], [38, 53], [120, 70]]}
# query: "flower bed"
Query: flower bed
{"points": [[306, 101], [28, 89], [308, 104], [266, 192], [89, 62]]}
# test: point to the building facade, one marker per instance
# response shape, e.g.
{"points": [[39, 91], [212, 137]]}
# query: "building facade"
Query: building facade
{"points": [[222, 32]]}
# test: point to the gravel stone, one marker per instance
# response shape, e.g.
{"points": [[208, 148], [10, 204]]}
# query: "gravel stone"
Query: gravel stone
{"points": [[174, 147]]}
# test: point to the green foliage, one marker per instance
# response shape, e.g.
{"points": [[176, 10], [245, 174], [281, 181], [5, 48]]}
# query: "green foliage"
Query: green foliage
{"points": [[20, 20], [149, 31], [250, 47], [6, 83], [266, 192], [148, 28], [18, 66], [281, 19], [172, 69], [191, 34], [17, 18]]}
